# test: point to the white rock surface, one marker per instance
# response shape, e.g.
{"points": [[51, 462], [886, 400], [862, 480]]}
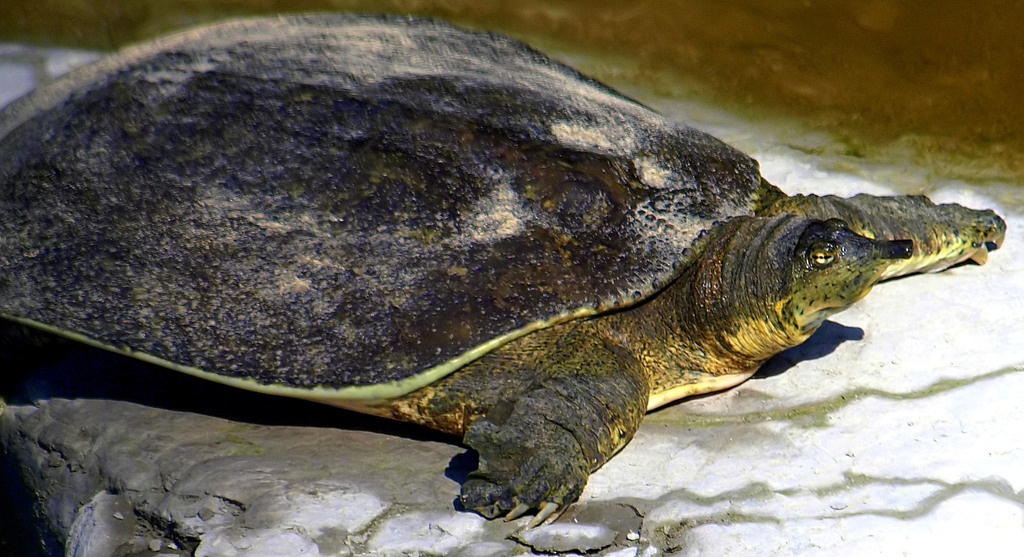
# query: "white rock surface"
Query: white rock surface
{"points": [[896, 430], [564, 537]]}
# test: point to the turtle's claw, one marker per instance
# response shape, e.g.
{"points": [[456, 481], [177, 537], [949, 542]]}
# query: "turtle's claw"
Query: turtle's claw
{"points": [[487, 511], [517, 512], [547, 508]]}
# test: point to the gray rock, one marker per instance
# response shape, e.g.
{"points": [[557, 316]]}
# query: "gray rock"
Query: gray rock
{"points": [[488, 549], [568, 537], [18, 79], [229, 487], [101, 527]]}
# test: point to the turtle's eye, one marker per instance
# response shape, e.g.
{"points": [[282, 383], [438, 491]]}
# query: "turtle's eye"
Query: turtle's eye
{"points": [[822, 254]]}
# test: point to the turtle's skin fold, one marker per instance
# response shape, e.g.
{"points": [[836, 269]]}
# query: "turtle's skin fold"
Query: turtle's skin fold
{"points": [[447, 227]]}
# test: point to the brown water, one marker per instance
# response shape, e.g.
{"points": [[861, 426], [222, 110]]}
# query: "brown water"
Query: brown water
{"points": [[934, 83]]}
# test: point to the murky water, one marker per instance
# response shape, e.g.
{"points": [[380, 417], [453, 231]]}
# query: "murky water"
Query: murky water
{"points": [[934, 84]]}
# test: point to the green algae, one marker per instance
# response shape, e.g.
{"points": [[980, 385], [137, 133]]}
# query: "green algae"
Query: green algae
{"points": [[816, 414]]}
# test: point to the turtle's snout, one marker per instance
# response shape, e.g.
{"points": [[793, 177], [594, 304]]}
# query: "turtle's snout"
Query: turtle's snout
{"points": [[899, 249], [996, 230], [952, 235], [989, 232]]}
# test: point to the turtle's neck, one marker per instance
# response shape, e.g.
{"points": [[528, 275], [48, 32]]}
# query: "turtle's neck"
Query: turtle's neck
{"points": [[720, 319]]}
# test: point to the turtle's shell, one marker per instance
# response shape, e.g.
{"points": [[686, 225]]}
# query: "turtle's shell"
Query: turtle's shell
{"points": [[335, 202]]}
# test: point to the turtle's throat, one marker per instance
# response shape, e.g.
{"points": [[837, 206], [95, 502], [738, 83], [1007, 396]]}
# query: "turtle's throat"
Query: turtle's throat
{"points": [[801, 327], [737, 287], [690, 347], [719, 317]]}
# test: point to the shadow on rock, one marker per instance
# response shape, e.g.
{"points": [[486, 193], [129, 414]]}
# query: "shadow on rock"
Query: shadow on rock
{"points": [[823, 342], [79, 372], [458, 470]]}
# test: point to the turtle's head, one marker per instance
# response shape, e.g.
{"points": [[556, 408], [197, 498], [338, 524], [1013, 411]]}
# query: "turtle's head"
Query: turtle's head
{"points": [[831, 267], [764, 284]]}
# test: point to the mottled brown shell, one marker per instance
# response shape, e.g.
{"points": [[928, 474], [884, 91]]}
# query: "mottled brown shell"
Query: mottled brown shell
{"points": [[336, 201]]}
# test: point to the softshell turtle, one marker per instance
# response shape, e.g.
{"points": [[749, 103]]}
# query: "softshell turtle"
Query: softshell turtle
{"points": [[417, 221]]}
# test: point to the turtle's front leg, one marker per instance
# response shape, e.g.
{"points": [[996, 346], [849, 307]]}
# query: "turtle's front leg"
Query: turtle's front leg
{"points": [[538, 449], [943, 235]]}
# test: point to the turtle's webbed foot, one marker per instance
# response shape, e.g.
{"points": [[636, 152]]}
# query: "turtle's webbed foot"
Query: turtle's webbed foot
{"points": [[546, 509], [525, 463], [537, 448]]}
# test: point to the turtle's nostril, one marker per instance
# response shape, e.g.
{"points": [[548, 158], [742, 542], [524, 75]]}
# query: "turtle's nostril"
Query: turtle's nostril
{"points": [[900, 249], [996, 232]]}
